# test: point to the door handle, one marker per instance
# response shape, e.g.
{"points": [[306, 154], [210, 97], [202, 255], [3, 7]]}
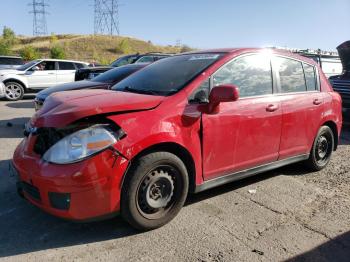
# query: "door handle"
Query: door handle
{"points": [[50, 73], [271, 108], [317, 101]]}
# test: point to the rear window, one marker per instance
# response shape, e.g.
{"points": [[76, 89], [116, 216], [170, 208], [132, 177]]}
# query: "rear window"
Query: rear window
{"points": [[66, 66], [291, 75], [10, 61]]}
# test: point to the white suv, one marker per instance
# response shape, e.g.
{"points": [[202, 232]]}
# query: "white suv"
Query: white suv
{"points": [[36, 75]]}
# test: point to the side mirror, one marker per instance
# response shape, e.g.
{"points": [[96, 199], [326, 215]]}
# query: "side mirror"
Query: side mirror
{"points": [[223, 93]]}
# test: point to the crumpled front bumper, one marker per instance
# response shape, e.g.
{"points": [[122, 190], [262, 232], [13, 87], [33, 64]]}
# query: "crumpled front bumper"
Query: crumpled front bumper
{"points": [[93, 186]]}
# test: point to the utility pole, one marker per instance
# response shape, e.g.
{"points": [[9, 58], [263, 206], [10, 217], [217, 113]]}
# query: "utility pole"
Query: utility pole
{"points": [[39, 17], [106, 19]]}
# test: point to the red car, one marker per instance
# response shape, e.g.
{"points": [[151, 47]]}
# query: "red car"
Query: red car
{"points": [[184, 124]]}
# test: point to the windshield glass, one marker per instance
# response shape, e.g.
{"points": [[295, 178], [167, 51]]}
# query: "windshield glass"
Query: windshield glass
{"points": [[125, 60], [27, 65], [167, 76], [116, 74]]}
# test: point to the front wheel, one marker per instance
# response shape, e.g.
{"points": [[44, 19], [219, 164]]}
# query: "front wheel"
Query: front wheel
{"points": [[13, 91], [154, 190], [322, 149]]}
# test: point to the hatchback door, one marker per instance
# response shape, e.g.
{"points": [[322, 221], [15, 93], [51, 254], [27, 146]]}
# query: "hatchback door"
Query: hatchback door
{"points": [[302, 105], [42, 75], [245, 133], [65, 72]]}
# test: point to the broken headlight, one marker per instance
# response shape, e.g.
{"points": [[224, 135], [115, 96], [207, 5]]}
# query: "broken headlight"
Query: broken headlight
{"points": [[80, 145]]}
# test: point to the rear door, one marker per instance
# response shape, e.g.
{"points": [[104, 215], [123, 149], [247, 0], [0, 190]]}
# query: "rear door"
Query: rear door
{"points": [[302, 105], [245, 133], [65, 72]]}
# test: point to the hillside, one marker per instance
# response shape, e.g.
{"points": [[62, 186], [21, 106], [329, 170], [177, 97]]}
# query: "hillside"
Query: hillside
{"points": [[100, 48]]}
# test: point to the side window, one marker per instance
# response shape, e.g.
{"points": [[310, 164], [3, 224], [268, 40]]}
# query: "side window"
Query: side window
{"points": [[46, 65], [310, 77], [201, 94], [291, 75], [251, 74], [66, 66]]}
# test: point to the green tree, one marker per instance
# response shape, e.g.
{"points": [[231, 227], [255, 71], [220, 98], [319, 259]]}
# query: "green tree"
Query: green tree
{"points": [[29, 53], [4, 48], [57, 52], [9, 36]]}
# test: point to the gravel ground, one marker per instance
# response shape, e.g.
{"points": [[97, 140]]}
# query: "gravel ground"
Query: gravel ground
{"points": [[286, 214]]}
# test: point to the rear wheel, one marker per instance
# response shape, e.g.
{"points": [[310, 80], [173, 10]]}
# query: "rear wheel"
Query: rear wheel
{"points": [[13, 91], [154, 190], [322, 149]]}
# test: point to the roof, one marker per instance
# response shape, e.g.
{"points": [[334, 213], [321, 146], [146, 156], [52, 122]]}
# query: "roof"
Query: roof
{"points": [[61, 60]]}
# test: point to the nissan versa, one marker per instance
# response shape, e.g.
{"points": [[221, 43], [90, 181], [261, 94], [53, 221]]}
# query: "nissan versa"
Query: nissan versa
{"points": [[183, 124]]}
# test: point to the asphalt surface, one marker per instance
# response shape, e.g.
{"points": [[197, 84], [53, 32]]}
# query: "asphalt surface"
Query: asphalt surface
{"points": [[286, 214]]}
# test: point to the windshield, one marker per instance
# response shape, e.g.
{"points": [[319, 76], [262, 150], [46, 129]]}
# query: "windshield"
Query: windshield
{"points": [[167, 76], [27, 65], [125, 60], [116, 74]]}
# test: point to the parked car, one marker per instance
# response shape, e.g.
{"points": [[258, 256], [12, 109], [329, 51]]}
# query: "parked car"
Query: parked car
{"points": [[9, 62], [341, 82], [38, 74], [161, 133], [103, 81], [91, 72]]}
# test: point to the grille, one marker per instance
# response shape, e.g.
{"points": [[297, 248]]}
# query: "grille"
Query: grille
{"points": [[31, 190]]}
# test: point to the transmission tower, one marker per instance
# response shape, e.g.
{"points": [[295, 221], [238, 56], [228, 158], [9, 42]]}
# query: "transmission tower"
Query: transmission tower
{"points": [[106, 17], [39, 17]]}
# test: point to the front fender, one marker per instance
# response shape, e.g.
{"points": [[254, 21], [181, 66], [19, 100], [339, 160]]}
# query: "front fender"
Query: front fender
{"points": [[17, 78], [148, 128]]}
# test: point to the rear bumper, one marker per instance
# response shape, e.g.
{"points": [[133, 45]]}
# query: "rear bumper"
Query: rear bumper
{"points": [[80, 191]]}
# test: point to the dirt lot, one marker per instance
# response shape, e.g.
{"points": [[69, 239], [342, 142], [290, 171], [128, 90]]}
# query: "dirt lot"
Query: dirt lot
{"points": [[291, 216]]}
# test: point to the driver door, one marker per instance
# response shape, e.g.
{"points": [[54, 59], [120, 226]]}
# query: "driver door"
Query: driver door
{"points": [[43, 76], [245, 133]]}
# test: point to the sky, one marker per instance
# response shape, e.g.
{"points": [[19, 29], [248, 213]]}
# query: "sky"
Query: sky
{"points": [[201, 23]]}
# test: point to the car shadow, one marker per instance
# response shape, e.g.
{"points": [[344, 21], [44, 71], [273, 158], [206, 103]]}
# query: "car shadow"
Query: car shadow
{"points": [[20, 104], [13, 128], [336, 249]]}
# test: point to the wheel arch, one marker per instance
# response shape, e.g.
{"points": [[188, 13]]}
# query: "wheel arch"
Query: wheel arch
{"points": [[332, 125], [175, 149], [17, 81]]}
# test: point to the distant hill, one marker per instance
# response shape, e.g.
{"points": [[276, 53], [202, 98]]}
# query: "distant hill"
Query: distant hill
{"points": [[100, 48]]}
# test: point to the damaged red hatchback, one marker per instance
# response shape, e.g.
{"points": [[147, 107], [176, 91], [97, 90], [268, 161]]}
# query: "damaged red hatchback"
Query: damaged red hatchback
{"points": [[184, 124]]}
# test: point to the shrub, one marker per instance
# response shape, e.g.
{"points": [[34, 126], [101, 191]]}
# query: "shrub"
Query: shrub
{"points": [[185, 48], [124, 47], [57, 52], [4, 48], [29, 53], [9, 36]]}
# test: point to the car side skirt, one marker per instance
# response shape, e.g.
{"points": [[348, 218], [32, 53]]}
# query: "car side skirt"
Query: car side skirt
{"points": [[248, 172]]}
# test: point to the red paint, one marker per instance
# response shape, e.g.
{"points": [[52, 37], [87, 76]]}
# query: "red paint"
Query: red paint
{"points": [[236, 135]]}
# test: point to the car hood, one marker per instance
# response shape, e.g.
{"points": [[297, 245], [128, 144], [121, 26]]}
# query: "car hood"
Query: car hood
{"points": [[11, 71], [344, 54], [70, 86], [63, 108]]}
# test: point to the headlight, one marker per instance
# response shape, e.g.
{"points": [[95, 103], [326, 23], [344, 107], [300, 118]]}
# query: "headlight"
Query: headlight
{"points": [[80, 145]]}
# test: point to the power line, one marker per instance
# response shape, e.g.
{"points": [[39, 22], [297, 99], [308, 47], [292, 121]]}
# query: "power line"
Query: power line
{"points": [[106, 19], [39, 17]]}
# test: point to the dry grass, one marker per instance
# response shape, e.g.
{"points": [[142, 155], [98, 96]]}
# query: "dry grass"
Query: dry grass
{"points": [[101, 48]]}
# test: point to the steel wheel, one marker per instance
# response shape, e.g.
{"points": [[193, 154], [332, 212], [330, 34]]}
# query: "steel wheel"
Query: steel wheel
{"points": [[155, 194], [154, 190], [323, 149], [13, 91]]}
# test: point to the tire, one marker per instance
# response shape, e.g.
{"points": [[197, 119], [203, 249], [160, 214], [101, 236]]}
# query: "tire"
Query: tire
{"points": [[322, 149], [14, 91], [154, 190]]}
